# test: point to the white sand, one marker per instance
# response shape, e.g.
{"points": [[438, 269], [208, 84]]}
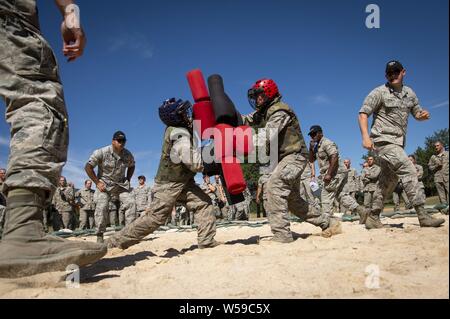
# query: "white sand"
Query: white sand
{"points": [[412, 262]]}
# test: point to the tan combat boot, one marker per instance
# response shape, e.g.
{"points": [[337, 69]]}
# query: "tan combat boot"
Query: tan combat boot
{"points": [[334, 228], [213, 244], [363, 214], [25, 250], [373, 220], [425, 220]]}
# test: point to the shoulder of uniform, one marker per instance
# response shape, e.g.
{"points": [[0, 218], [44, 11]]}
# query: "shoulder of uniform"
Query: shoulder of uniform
{"points": [[279, 106], [327, 141], [127, 152], [380, 89], [105, 150], [409, 89], [178, 132]]}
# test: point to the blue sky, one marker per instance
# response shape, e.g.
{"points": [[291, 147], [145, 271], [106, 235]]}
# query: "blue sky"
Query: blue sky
{"points": [[320, 53]]}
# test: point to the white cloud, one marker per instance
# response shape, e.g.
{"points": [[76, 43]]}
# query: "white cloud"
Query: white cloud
{"points": [[136, 42], [321, 99], [4, 141], [74, 172], [445, 103]]}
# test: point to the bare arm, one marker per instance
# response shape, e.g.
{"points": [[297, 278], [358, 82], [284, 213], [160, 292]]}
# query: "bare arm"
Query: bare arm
{"points": [[313, 170], [62, 5], [312, 155], [334, 165], [258, 194], [74, 39], [364, 128], [130, 172], [90, 172]]}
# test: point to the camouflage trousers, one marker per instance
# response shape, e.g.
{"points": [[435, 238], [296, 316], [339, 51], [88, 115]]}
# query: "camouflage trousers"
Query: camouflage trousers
{"points": [[342, 207], [229, 212], [396, 200], [35, 108], [102, 209], [2, 216], [65, 219], [86, 219], [242, 211], [165, 197], [368, 199], [334, 191], [442, 189], [283, 195], [395, 165], [306, 193]]}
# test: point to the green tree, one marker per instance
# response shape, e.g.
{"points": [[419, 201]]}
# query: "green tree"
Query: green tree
{"points": [[423, 156], [251, 175], [369, 154]]}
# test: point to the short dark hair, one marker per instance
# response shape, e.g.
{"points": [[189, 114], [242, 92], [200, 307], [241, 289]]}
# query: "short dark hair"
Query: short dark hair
{"points": [[142, 177]]}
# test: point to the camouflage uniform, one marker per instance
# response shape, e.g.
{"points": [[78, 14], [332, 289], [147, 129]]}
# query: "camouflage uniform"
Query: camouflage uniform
{"points": [[174, 183], [35, 107], [419, 170], [111, 170], [228, 210], [85, 199], [399, 191], [243, 208], [391, 111], [36, 112], [142, 197], [305, 188], [214, 198], [262, 184], [439, 166], [113, 212], [334, 190], [370, 178], [283, 185], [2, 207], [351, 187], [63, 200]]}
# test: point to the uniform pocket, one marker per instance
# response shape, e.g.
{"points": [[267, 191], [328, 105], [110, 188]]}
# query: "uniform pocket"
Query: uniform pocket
{"points": [[56, 135], [48, 65], [26, 47], [290, 172]]}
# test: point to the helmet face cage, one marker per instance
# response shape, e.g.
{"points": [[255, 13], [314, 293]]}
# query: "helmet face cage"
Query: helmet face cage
{"points": [[184, 110], [176, 113], [266, 89]]}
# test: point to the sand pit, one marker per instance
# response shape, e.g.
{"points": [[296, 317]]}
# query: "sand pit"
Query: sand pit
{"points": [[404, 262]]}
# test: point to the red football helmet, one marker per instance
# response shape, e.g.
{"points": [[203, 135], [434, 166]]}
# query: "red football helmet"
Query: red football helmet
{"points": [[267, 89]]}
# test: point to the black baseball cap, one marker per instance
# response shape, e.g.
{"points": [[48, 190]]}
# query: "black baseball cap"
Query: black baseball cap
{"points": [[314, 129], [394, 66], [119, 136]]}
